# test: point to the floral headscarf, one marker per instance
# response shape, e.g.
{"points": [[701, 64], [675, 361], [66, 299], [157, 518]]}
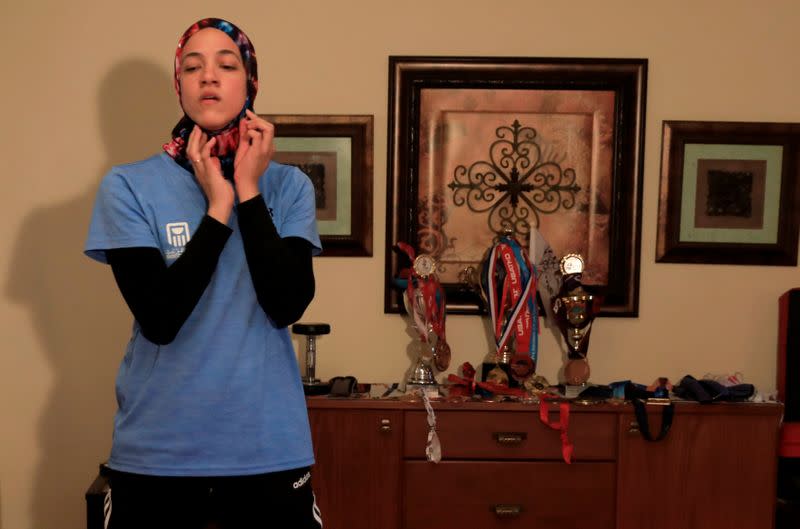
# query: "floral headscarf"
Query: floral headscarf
{"points": [[228, 137]]}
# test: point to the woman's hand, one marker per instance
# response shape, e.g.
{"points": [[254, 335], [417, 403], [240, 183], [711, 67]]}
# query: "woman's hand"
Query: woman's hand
{"points": [[255, 151], [218, 191]]}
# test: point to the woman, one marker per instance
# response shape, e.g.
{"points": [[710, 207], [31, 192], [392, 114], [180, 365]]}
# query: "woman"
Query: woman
{"points": [[210, 244]]}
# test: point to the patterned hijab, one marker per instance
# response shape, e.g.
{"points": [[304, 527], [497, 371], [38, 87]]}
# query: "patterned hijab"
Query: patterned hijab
{"points": [[227, 137]]}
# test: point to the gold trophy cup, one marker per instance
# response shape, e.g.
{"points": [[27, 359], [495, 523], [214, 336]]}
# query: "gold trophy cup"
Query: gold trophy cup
{"points": [[575, 309]]}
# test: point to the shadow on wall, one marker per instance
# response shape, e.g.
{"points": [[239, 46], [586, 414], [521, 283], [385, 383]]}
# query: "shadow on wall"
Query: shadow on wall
{"points": [[79, 316]]}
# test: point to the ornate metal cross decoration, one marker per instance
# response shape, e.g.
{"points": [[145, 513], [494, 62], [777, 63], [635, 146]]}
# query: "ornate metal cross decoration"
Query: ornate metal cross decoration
{"points": [[515, 183]]}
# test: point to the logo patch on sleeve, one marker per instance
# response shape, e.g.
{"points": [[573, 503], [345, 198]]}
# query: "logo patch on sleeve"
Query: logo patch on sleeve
{"points": [[177, 237]]}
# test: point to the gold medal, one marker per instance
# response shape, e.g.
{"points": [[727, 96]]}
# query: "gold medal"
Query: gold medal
{"points": [[536, 384], [497, 376], [424, 265], [572, 263]]}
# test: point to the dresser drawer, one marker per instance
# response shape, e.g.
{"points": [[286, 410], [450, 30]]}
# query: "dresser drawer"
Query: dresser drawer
{"points": [[511, 435], [484, 494]]}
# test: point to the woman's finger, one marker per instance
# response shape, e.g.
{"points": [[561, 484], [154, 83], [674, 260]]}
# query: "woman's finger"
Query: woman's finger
{"points": [[205, 153], [257, 122], [267, 132], [255, 138], [252, 116], [261, 134], [196, 154], [244, 143], [192, 151], [255, 127], [267, 141]]}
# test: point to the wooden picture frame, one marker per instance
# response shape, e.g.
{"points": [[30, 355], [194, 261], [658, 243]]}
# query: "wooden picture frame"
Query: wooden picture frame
{"points": [[586, 119], [729, 193], [336, 151]]}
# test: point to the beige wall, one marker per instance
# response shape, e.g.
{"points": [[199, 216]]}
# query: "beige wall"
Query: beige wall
{"points": [[86, 85]]}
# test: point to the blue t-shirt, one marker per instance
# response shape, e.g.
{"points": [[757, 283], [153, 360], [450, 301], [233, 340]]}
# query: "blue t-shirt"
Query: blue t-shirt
{"points": [[225, 397]]}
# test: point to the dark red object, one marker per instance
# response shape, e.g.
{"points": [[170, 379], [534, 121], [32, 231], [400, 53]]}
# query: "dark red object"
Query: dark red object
{"points": [[466, 385], [789, 371]]}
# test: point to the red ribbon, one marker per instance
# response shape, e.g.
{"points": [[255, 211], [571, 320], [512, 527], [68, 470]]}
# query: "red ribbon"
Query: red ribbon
{"points": [[513, 285], [433, 297], [562, 425], [467, 384], [434, 309]]}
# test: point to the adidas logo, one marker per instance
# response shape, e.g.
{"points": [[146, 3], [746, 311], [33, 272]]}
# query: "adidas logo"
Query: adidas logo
{"points": [[302, 481]]}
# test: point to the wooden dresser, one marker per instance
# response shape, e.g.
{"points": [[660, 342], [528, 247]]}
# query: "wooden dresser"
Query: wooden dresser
{"points": [[501, 467]]}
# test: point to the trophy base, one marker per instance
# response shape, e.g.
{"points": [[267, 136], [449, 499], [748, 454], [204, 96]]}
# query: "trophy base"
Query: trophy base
{"points": [[317, 388], [572, 392], [429, 390], [422, 375]]}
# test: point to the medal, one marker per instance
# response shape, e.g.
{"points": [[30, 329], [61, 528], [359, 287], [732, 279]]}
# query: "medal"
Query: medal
{"points": [[536, 384], [497, 376], [571, 264], [441, 355], [521, 367], [576, 371], [424, 265]]}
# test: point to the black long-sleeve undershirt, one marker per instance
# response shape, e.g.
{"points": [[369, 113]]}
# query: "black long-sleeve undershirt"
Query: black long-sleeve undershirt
{"points": [[281, 269], [161, 298]]}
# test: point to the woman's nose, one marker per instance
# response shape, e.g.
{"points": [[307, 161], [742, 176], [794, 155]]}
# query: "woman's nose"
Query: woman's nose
{"points": [[209, 75]]}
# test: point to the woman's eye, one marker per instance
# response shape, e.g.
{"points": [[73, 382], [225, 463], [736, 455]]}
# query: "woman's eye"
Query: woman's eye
{"points": [[190, 68], [229, 67]]}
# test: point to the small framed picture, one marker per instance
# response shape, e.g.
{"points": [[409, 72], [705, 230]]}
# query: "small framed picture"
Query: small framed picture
{"points": [[336, 152], [729, 193]]}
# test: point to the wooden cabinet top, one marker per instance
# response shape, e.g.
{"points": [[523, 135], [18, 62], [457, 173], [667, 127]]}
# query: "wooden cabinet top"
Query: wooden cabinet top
{"points": [[683, 407]]}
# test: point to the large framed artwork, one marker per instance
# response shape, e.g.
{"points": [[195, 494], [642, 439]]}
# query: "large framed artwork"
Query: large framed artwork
{"points": [[729, 193], [336, 152], [481, 145]]}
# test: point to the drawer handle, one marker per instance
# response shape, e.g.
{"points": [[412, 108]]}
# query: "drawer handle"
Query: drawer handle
{"points": [[633, 428], [386, 425], [507, 511], [510, 438]]}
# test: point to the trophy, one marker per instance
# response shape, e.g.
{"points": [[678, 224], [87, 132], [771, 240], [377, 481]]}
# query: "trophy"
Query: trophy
{"points": [[424, 300], [574, 310], [508, 283]]}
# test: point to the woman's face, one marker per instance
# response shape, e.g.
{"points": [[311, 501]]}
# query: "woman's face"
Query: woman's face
{"points": [[212, 78]]}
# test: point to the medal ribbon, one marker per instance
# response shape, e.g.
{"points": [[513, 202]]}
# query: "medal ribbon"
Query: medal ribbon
{"points": [[530, 314], [470, 384], [426, 299], [562, 425], [434, 298], [511, 278], [433, 447]]}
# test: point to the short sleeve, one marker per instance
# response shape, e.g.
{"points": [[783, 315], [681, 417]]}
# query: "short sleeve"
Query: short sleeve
{"points": [[118, 219], [301, 219]]}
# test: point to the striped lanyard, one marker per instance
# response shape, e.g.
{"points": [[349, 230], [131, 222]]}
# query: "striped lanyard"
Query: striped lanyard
{"points": [[510, 285]]}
